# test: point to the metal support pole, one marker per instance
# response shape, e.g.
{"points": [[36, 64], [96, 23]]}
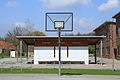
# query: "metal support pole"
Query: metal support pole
{"points": [[101, 52], [113, 62], [31, 63], [27, 53], [17, 52], [95, 55], [21, 53], [59, 44]]}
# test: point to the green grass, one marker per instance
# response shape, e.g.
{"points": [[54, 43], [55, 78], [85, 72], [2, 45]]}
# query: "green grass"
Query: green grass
{"points": [[28, 70], [6, 56], [91, 71], [55, 71]]}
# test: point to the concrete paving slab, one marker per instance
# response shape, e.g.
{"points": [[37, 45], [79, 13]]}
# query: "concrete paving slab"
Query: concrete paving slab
{"points": [[56, 77]]}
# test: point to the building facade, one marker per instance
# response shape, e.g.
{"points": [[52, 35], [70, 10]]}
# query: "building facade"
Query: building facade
{"points": [[111, 45], [74, 49], [117, 18], [6, 48]]}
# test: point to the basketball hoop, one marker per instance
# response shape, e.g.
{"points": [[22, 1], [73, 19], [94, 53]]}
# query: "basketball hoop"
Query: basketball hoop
{"points": [[59, 22]]}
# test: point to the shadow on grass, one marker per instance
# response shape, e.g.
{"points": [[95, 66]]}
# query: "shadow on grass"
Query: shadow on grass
{"points": [[70, 74]]}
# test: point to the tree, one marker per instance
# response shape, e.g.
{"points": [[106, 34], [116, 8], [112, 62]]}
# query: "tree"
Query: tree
{"points": [[79, 34], [19, 30], [37, 33], [2, 39], [91, 49]]}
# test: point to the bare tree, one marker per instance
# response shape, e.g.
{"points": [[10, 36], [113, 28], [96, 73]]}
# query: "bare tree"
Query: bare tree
{"points": [[19, 30]]}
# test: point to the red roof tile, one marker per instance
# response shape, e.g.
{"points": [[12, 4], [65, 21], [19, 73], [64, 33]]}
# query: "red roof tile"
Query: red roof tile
{"points": [[7, 45]]}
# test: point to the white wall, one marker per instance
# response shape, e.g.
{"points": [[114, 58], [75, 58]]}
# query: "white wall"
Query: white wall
{"points": [[12, 53], [43, 54], [79, 54], [63, 54], [47, 54]]}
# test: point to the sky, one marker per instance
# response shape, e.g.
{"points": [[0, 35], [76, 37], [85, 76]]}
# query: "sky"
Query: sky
{"points": [[88, 14]]}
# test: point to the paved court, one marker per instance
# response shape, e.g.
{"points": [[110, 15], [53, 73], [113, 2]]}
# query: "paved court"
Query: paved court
{"points": [[55, 77], [8, 59], [107, 65]]}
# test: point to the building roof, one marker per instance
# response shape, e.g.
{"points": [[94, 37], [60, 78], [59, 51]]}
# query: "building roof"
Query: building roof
{"points": [[105, 23], [117, 15], [22, 37], [65, 40], [7, 45], [1, 43]]}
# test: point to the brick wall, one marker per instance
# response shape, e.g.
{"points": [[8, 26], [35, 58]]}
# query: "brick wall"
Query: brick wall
{"points": [[118, 39], [113, 43], [108, 28]]}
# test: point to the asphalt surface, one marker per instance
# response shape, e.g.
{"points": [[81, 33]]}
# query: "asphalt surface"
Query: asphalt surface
{"points": [[107, 65], [40, 78], [8, 59], [55, 77]]}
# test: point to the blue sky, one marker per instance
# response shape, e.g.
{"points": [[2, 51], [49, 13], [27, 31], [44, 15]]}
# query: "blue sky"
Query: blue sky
{"points": [[88, 14]]}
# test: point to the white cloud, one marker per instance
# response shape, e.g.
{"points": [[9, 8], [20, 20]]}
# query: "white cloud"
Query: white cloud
{"points": [[11, 4], [56, 4], [109, 5], [84, 25]]}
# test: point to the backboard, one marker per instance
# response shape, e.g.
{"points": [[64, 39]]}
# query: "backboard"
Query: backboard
{"points": [[56, 20], [59, 24]]}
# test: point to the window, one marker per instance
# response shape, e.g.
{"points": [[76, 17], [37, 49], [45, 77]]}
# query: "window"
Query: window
{"points": [[118, 50], [3, 50], [107, 36], [108, 51], [119, 32]]}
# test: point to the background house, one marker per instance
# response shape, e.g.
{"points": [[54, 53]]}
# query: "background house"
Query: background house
{"points": [[6, 48], [111, 45], [117, 17], [107, 29]]}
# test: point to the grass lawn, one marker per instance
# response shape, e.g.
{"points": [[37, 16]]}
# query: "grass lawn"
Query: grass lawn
{"points": [[55, 71]]}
